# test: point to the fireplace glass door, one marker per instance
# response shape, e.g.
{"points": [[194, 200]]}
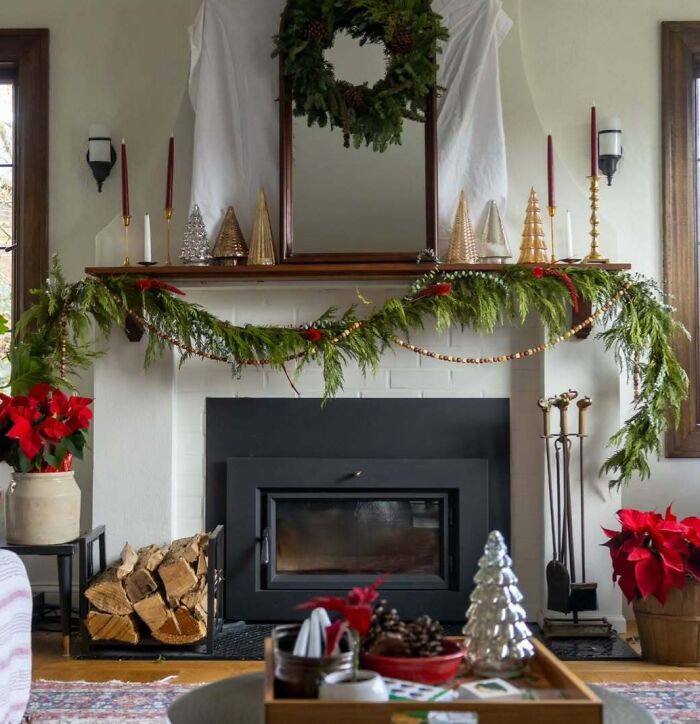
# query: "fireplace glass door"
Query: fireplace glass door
{"points": [[319, 538]]}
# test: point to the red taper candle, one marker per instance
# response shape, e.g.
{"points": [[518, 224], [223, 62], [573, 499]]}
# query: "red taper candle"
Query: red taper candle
{"points": [[125, 182], [171, 173], [594, 142], [550, 172]]}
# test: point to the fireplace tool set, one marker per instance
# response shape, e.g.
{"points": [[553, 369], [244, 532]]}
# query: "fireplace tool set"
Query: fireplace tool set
{"points": [[566, 591]]}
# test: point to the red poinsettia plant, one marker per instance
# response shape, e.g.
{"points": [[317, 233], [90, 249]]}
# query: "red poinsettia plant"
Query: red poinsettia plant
{"points": [[654, 553], [41, 432], [355, 611]]}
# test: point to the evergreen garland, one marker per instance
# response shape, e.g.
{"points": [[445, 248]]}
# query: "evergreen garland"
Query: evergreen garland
{"points": [[638, 329], [410, 32]]}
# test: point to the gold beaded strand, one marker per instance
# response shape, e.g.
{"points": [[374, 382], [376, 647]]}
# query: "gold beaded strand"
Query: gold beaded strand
{"points": [[397, 340]]}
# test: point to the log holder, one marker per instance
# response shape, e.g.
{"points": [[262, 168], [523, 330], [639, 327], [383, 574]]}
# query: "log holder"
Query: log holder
{"points": [[149, 648]]}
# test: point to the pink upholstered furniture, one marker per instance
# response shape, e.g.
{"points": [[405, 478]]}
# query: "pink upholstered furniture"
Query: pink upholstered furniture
{"points": [[15, 638]]}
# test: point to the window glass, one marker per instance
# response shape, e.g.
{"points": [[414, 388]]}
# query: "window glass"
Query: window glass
{"points": [[7, 155]]}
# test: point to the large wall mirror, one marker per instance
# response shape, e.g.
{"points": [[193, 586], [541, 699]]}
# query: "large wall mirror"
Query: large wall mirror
{"points": [[354, 204]]}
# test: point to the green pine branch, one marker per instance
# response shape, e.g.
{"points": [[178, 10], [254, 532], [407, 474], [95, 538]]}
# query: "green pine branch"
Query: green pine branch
{"points": [[639, 329]]}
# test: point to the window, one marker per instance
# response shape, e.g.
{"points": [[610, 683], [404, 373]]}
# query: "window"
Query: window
{"points": [[24, 93], [7, 223], [681, 154]]}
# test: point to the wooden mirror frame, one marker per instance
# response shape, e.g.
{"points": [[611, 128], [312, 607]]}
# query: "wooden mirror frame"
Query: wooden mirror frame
{"points": [[680, 48], [287, 253]]}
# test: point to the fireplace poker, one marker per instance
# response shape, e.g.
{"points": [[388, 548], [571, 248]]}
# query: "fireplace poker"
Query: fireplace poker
{"points": [[584, 595], [546, 406]]}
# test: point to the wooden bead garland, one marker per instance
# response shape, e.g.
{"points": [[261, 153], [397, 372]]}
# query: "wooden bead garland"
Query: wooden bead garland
{"points": [[397, 340]]}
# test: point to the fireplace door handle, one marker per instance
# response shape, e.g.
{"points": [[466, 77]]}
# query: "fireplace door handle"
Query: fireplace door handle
{"points": [[265, 547]]}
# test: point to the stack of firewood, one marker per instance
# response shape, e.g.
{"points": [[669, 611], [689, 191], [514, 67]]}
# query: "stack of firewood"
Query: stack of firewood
{"points": [[160, 591]]}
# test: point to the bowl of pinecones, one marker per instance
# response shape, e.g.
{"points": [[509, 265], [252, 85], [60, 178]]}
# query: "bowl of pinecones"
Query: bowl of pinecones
{"points": [[414, 650]]}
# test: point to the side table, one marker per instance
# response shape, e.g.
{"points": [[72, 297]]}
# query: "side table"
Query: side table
{"points": [[64, 552]]}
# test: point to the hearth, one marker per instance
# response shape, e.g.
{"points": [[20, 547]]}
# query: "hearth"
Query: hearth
{"points": [[319, 499]]}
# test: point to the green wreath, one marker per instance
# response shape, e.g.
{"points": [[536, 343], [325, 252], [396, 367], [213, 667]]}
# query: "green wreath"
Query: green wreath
{"points": [[410, 32]]}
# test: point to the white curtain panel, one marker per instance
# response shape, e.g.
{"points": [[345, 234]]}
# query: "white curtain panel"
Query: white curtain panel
{"points": [[234, 90]]}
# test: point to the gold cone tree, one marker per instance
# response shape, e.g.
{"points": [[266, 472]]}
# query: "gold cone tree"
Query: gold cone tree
{"points": [[533, 248], [230, 247], [462, 248], [262, 248]]}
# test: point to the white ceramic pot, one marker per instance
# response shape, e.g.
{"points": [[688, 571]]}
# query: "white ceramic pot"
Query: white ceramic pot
{"points": [[42, 508], [339, 685]]}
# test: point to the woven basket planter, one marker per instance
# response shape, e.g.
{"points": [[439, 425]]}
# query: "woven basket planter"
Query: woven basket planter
{"points": [[670, 634]]}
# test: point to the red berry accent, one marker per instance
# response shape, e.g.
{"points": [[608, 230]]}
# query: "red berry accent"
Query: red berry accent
{"points": [[565, 279], [441, 289], [313, 334]]}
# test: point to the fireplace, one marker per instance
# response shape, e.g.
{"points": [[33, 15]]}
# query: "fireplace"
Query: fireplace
{"points": [[317, 500]]}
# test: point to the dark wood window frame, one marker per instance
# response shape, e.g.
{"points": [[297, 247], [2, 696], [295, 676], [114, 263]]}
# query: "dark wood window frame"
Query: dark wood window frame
{"points": [[680, 71], [26, 54]]}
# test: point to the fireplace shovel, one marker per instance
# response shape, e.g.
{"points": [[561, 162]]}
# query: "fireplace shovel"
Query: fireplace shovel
{"points": [[558, 579], [556, 573]]}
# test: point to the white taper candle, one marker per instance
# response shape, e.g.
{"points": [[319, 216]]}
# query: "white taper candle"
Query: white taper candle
{"points": [[147, 238]]}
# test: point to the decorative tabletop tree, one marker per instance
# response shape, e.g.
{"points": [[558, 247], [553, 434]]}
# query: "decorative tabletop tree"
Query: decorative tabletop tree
{"points": [[496, 635]]}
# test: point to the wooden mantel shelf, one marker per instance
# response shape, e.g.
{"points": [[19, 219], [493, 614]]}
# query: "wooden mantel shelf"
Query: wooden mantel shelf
{"points": [[310, 272]]}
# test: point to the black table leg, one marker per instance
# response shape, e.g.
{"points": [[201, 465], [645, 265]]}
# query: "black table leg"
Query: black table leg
{"points": [[65, 586]]}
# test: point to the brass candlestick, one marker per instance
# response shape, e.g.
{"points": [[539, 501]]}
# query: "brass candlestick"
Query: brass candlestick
{"points": [[126, 221], [168, 225], [552, 213], [594, 256]]}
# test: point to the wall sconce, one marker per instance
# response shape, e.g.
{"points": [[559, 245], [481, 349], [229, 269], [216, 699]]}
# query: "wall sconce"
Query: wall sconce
{"points": [[610, 147], [101, 155]]}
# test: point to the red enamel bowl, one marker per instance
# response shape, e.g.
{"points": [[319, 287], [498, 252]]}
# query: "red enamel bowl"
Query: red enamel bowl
{"points": [[433, 670]]}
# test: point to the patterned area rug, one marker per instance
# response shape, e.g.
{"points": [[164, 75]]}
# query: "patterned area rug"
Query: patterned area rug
{"points": [[668, 701], [114, 702], [111, 702]]}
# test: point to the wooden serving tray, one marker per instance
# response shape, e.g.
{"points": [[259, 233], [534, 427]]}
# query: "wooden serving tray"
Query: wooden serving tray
{"points": [[563, 698]]}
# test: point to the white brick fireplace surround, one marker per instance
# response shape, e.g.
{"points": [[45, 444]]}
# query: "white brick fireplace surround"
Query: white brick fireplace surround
{"points": [[149, 427]]}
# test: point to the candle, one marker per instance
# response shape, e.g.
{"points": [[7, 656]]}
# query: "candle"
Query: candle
{"points": [[569, 236], [125, 182], [550, 171], [171, 173], [147, 237], [594, 142]]}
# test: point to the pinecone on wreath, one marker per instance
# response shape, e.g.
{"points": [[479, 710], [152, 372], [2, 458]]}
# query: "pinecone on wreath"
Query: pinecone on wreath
{"points": [[401, 41], [424, 637], [355, 99], [316, 30]]}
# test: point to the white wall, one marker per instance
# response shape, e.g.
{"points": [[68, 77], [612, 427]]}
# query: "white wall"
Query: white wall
{"points": [[123, 63], [609, 52]]}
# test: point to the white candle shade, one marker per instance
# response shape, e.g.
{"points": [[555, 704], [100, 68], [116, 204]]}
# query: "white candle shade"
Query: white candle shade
{"points": [[99, 150], [610, 137], [147, 238]]}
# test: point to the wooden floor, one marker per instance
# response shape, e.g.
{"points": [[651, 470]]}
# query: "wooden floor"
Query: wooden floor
{"points": [[49, 663]]}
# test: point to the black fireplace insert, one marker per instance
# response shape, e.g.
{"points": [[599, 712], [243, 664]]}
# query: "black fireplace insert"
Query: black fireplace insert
{"points": [[319, 499], [321, 526]]}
